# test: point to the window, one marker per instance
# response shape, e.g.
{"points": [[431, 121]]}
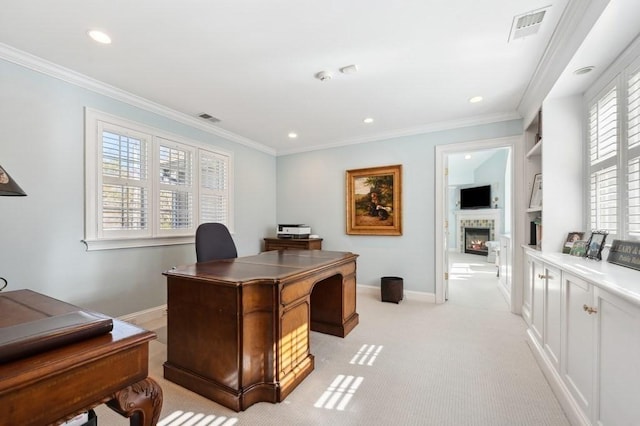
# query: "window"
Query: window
{"points": [[146, 188], [614, 156]]}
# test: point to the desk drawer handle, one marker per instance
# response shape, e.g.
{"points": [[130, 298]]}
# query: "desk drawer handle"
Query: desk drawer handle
{"points": [[589, 309]]}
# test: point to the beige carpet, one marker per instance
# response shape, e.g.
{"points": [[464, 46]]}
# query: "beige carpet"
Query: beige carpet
{"points": [[462, 363]]}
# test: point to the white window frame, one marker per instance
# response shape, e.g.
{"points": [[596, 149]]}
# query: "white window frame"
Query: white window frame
{"points": [[618, 74], [98, 239]]}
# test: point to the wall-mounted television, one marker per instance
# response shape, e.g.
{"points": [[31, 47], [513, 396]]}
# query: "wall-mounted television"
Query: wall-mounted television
{"points": [[477, 197]]}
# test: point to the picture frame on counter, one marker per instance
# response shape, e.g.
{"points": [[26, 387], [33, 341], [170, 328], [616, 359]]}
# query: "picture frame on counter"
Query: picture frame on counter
{"points": [[625, 253], [595, 245], [572, 237]]}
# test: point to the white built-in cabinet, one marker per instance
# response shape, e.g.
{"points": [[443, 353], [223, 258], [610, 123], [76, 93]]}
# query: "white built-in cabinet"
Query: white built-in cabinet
{"points": [[584, 329]]}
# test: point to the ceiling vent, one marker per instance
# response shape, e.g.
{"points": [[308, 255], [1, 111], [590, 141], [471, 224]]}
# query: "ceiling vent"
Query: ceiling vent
{"points": [[527, 24], [208, 117]]}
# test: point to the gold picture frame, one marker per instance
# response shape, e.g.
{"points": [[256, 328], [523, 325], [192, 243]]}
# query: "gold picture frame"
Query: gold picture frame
{"points": [[374, 201]]}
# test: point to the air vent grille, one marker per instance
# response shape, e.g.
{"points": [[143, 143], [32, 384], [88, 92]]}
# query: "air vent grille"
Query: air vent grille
{"points": [[527, 24], [209, 117]]}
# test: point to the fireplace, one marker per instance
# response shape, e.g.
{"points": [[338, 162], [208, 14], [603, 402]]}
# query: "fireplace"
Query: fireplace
{"points": [[475, 240]]}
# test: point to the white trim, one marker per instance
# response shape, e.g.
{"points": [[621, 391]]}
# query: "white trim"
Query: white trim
{"points": [[51, 69], [418, 296], [146, 315], [441, 153], [428, 128], [93, 244], [575, 23]]}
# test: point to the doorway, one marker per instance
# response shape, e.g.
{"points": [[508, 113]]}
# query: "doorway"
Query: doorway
{"points": [[447, 201]]}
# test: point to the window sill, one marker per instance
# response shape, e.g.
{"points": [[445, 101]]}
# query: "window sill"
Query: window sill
{"points": [[93, 245]]}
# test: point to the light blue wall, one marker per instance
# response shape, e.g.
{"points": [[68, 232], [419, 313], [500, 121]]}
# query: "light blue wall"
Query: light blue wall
{"points": [[311, 190], [42, 148]]}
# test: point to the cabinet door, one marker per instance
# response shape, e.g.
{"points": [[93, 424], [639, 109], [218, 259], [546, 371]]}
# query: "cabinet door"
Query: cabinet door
{"points": [[553, 310], [579, 351], [618, 376], [537, 299]]}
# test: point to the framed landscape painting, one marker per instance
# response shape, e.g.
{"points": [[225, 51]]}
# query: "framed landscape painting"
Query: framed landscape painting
{"points": [[374, 201]]}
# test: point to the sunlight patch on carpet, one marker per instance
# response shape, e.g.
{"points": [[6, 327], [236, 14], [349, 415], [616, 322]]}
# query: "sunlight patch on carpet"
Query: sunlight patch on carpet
{"points": [[182, 418], [366, 352], [339, 393]]}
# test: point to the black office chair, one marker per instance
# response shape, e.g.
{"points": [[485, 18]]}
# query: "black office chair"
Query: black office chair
{"points": [[213, 241]]}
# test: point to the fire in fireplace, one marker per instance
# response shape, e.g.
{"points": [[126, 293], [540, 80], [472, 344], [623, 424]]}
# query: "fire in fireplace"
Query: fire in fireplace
{"points": [[475, 241]]}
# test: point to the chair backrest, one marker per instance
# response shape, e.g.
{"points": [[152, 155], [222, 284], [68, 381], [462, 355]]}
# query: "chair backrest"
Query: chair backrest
{"points": [[213, 241]]}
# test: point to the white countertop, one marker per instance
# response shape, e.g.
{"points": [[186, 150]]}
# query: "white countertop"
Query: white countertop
{"points": [[621, 281]]}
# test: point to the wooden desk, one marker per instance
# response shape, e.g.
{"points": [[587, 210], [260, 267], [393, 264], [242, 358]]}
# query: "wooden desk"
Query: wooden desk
{"points": [[238, 329], [55, 385], [292, 243]]}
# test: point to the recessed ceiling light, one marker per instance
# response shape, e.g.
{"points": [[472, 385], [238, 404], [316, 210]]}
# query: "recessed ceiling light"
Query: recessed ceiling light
{"points": [[584, 70], [475, 99], [368, 120], [99, 36], [467, 157], [292, 135]]}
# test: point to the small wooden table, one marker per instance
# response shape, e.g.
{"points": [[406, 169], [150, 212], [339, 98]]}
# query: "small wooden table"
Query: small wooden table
{"points": [[49, 387], [292, 243], [238, 329]]}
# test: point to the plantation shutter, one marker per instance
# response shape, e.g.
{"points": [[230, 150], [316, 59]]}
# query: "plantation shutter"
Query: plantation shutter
{"points": [[214, 187], [176, 186], [633, 144], [124, 198], [603, 169]]}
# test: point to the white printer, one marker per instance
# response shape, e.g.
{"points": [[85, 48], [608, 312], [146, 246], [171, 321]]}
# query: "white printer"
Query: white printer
{"points": [[293, 231]]}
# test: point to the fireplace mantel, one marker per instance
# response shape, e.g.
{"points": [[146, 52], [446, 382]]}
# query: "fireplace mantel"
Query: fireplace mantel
{"points": [[472, 218]]}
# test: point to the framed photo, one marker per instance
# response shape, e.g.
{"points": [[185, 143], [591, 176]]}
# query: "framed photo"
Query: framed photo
{"points": [[579, 248], [595, 244], [374, 201], [536, 192], [572, 237]]}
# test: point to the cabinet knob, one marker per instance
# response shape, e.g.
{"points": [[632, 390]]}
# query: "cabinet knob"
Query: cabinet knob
{"points": [[590, 309], [544, 277]]}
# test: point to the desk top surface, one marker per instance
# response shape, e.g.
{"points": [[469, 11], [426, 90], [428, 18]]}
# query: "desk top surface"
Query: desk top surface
{"points": [[21, 306], [270, 265]]}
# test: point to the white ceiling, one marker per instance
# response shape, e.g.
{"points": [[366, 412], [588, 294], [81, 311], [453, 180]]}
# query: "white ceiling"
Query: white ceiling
{"points": [[251, 63]]}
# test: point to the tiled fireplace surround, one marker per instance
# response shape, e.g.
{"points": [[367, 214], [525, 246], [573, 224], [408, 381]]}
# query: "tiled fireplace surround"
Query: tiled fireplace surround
{"points": [[480, 218]]}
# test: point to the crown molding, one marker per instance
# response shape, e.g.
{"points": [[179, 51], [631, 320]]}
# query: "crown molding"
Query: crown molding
{"points": [[51, 69], [576, 21], [411, 131]]}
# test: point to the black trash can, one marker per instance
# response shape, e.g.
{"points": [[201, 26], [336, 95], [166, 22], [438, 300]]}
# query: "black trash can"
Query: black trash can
{"points": [[391, 289]]}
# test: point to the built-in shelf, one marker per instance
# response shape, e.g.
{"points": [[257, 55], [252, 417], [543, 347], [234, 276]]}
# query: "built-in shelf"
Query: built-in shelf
{"points": [[534, 209], [536, 150]]}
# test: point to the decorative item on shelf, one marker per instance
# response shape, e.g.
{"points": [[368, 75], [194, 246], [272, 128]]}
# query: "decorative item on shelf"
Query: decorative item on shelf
{"points": [[579, 248], [625, 253], [572, 237], [595, 245], [8, 187], [537, 222], [535, 201]]}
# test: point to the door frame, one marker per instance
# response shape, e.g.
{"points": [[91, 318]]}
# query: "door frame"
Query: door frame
{"points": [[442, 208]]}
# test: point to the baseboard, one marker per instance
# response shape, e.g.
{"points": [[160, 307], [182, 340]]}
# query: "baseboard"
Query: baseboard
{"points": [[571, 409], [408, 294], [146, 315], [160, 311]]}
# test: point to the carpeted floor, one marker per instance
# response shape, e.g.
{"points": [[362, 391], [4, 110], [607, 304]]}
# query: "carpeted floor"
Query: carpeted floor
{"points": [[465, 362]]}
